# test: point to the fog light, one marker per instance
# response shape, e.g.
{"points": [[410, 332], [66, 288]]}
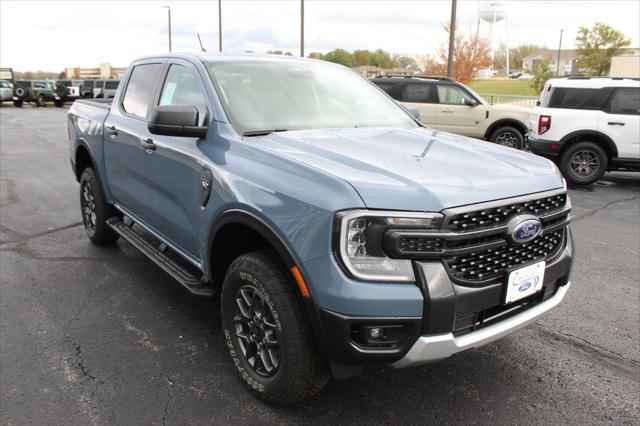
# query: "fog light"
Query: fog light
{"points": [[376, 333]]}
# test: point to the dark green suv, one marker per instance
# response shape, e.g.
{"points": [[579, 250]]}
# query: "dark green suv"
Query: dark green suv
{"points": [[37, 91]]}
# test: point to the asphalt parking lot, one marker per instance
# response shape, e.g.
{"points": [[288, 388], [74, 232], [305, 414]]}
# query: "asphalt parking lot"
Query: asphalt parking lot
{"points": [[101, 335]]}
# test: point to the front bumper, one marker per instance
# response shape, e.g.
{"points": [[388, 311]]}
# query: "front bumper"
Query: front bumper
{"points": [[434, 348]]}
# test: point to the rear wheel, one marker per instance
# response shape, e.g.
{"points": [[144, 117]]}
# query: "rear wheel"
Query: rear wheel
{"points": [[508, 136], [17, 103], [267, 334], [95, 210], [40, 101], [584, 163]]}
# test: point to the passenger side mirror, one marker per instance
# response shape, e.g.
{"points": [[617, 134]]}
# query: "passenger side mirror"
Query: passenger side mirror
{"points": [[176, 120], [411, 109]]}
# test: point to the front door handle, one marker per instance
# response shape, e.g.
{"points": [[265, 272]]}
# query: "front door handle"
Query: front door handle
{"points": [[111, 130], [615, 123], [147, 144]]}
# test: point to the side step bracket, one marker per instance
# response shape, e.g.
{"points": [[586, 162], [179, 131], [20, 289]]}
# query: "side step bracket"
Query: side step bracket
{"points": [[178, 272]]}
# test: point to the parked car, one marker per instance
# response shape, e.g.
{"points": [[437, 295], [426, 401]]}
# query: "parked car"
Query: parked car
{"points": [[68, 90], [525, 76], [87, 88], [588, 125], [6, 91], [36, 91], [105, 88], [515, 74], [451, 106], [337, 229]]}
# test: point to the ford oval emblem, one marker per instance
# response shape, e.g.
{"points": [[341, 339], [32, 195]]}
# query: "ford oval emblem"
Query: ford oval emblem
{"points": [[523, 229], [525, 286]]}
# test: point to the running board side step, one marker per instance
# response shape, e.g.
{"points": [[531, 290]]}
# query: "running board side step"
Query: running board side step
{"points": [[179, 273]]}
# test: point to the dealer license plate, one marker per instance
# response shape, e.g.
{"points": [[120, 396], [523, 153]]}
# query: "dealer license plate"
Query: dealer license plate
{"points": [[524, 282]]}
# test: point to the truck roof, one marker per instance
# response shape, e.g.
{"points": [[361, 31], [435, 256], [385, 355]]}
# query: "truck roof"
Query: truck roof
{"points": [[594, 82]]}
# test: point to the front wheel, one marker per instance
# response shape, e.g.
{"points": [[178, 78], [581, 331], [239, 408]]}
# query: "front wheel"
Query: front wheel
{"points": [[583, 163], [58, 102], [508, 136], [17, 104], [95, 210], [266, 332], [40, 101]]}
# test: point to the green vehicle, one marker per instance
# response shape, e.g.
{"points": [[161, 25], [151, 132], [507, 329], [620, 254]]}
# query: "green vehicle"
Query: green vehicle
{"points": [[37, 91]]}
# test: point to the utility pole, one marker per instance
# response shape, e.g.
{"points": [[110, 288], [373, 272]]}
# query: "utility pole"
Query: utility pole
{"points": [[169, 10], [220, 25], [302, 28], [559, 47], [452, 36]]}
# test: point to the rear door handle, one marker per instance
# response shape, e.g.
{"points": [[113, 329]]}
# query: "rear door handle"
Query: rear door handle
{"points": [[112, 130], [615, 123], [147, 144]]}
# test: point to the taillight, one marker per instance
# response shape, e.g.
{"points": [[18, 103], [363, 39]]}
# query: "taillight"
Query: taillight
{"points": [[544, 123]]}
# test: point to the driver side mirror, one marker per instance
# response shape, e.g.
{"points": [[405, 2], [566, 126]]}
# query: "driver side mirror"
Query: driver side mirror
{"points": [[470, 102], [176, 120]]}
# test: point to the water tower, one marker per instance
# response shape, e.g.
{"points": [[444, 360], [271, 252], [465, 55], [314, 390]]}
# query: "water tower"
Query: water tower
{"points": [[493, 12]]}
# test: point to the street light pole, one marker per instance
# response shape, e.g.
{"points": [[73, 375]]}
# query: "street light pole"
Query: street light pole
{"points": [[559, 47], [452, 35], [220, 25], [302, 28], [169, 10]]}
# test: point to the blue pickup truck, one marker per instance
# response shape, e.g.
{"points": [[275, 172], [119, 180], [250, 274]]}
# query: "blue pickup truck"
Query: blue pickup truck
{"points": [[337, 230]]}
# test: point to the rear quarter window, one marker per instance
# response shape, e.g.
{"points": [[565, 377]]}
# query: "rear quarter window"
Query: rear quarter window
{"points": [[577, 98]]}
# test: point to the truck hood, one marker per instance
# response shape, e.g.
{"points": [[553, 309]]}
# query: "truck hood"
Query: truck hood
{"points": [[417, 169]]}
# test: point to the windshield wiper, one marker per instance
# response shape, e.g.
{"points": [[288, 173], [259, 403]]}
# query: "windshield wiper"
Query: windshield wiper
{"points": [[262, 132]]}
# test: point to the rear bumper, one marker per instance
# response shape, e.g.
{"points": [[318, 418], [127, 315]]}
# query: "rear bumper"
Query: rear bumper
{"points": [[434, 348], [545, 148]]}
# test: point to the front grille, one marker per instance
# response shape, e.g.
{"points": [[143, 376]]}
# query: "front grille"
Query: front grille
{"points": [[497, 216], [420, 245], [485, 265]]}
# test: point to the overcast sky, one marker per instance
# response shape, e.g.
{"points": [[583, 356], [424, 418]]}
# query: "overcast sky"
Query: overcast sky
{"points": [[52, 35]]}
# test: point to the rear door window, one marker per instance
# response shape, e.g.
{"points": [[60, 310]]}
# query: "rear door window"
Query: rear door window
{"points": [[419, 93], [140, 89], [625, 100]]}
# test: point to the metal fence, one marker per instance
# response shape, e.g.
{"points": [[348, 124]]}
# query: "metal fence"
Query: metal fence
{"points": [[525, 101]]}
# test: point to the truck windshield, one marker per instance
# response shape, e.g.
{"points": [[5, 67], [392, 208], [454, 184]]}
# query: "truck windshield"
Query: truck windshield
{"points": [[294, 95]]}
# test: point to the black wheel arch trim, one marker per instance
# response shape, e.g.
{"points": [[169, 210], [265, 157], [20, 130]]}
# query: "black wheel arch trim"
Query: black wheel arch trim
{"points": [[513, 122], [254, 222], [611, 146], [83, 143]]}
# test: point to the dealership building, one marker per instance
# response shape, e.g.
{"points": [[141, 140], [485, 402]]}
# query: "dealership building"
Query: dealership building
{"points": [[103, 72]]}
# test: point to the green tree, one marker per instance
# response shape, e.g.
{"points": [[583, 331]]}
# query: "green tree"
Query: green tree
{"points": [[361, 57], [404, 61], [339, 56], [381, 59], [541, 73], [597, 45], [515, 55], [315, 55]]}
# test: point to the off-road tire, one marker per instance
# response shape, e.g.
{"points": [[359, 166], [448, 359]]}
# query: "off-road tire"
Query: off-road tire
{"points": [[96, 224], [59, 103], [40, 102], [508, 136], [571, 168], [18, 104], [302, 371]]}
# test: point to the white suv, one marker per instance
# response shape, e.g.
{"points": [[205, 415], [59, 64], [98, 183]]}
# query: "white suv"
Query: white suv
{"points": [[588, 125]]}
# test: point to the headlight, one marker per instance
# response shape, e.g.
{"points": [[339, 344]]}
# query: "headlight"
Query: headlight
{"points": [[359, 235]]}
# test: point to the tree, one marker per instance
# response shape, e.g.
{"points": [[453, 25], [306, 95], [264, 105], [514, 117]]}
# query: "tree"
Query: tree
{"points": [[597, 45], [361, 57], [381, 59], [339, 56], [515, 55], [470, 53], [315, 55], [279, 52], [541, 73], [404, 61]]}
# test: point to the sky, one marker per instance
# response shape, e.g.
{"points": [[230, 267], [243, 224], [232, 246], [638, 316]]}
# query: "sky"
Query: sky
{"points": [[52, 35]]}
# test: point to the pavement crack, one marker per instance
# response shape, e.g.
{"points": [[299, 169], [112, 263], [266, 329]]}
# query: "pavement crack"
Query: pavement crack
{"points": [[170, 383], [606, 206], [42, 234], [591, 347]]}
